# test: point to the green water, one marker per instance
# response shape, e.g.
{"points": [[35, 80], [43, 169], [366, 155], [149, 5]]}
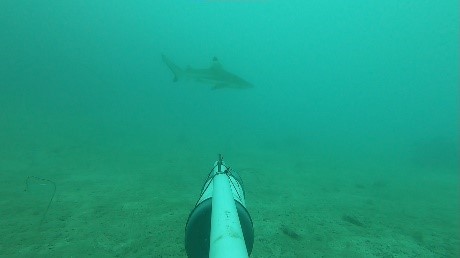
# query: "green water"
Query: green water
{"points": [[349, 137]]}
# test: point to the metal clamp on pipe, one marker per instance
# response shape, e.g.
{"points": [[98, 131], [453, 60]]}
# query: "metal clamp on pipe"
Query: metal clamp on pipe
{"points": [[220, 226]]}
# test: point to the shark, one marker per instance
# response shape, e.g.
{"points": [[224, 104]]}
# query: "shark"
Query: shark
{"points": [[215, 75]]}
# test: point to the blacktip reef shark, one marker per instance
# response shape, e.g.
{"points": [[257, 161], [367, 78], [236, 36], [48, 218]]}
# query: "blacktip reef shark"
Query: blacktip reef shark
{"points": [[215, 75]]}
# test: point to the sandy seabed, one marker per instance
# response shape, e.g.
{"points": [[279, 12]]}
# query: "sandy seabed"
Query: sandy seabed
{"points": [[136, 204]]}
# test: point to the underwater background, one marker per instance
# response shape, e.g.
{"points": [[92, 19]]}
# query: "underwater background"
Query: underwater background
{"points": [[348, 143]]}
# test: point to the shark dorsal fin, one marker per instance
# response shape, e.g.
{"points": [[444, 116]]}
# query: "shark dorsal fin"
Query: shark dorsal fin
{"points": [[216, 64]]}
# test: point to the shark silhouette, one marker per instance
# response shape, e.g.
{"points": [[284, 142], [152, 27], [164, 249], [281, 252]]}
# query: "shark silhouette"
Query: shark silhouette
{"points": [[215, 75]]}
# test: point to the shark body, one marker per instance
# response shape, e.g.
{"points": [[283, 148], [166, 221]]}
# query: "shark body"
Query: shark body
{"points": [[215, 75]]}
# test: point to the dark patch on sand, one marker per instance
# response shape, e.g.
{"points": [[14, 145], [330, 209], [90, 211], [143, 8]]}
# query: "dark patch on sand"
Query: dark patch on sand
{"points": [[290, 233], [353, 220]]}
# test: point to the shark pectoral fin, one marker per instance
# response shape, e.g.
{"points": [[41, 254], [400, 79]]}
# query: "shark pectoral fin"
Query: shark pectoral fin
{"points": [[219, 86], [173, 67]]}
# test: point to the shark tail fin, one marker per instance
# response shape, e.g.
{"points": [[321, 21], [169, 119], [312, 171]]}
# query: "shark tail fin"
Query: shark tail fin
{"points": [[177, 71]]}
